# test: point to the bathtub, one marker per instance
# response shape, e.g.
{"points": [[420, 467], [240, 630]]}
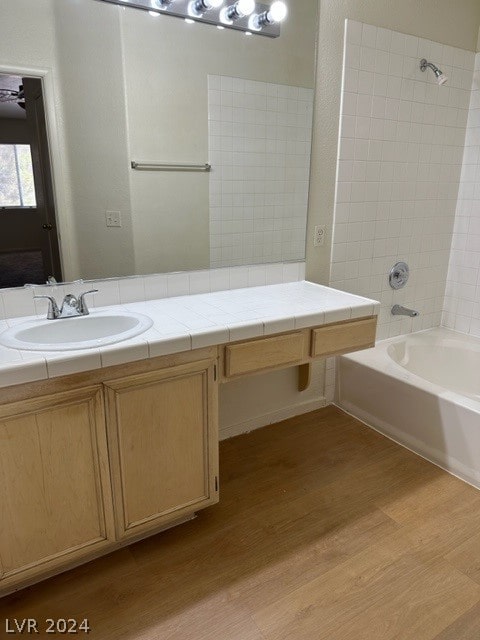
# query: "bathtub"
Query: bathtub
{"points": [[423, 391]]}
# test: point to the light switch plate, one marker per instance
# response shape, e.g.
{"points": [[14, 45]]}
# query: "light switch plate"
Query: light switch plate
{"points": [[113, 218]]}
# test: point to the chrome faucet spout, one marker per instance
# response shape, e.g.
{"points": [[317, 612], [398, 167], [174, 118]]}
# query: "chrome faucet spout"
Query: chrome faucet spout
{"points": [[398, 310]]}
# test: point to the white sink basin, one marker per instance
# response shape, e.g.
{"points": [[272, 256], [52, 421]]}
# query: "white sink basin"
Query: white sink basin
{"points": [[67, 334]]}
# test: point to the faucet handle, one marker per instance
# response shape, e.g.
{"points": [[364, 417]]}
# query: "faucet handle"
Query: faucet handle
{"points": [[53, 310], [82, 305]]}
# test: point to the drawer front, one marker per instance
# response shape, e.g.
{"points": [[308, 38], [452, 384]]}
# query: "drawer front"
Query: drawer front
{"points": [[264, 354], [343, 338]]}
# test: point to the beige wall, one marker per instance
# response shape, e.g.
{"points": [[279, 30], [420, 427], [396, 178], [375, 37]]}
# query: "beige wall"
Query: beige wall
{"points": [[90, 70], [265, 399], [454, 23]]}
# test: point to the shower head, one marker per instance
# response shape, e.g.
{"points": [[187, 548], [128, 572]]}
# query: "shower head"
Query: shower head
{"points": [[439, 75]]}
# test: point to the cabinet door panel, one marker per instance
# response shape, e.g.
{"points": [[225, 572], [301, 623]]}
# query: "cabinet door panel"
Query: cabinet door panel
{"points": [[55, 501], [162, 430]]}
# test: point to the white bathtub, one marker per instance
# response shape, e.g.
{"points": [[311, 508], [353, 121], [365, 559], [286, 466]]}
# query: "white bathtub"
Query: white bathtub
{"points": [[423, 391]]}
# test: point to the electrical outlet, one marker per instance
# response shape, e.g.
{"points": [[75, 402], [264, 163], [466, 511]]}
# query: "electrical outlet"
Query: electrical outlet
{"points": [[113, 218], [319, 236]]}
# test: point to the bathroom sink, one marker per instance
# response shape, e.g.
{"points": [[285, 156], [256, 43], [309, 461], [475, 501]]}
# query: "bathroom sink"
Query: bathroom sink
{"points": [[85, 332]]}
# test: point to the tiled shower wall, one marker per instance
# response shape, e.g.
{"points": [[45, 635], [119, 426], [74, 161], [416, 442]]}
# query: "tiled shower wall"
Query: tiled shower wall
{"points": [[400, 158], [462, 296], [259, 148]]}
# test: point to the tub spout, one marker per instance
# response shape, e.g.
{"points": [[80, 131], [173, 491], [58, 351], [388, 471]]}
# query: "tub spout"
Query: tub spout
{"points": [[398, 310]]}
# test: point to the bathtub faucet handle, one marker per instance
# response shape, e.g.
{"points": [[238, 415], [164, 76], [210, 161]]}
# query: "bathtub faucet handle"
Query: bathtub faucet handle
{"points": [[398, 310]]}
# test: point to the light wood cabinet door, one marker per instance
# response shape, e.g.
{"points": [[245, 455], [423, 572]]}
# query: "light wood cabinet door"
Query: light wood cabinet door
{"points": [[55, 497], [163, 443]]}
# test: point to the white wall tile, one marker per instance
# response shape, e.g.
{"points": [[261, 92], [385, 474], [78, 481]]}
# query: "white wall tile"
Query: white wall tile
{"points": [[155, 286], [461, 309], [132, 290], [396, 200], [15, 303], [260, 171]]}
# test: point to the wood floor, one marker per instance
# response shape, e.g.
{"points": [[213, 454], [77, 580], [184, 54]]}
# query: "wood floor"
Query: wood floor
{"points": [[325, 531]]}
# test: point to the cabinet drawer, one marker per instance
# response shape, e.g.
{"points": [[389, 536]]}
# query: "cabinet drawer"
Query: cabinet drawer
{"points": [[344, 337], [264, 354]]}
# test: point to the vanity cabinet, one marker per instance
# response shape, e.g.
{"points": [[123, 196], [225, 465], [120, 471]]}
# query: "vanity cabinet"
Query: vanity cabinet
{"points": [[92, 461], [87, 468], [163, 443], [55, 498]]}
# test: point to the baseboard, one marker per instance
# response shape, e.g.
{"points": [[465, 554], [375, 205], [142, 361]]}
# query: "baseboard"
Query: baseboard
{"points": [[229, 431]]}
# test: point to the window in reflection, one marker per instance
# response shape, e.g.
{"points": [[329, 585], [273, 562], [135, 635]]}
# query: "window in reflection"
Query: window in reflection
{"points": [[17, 187]]}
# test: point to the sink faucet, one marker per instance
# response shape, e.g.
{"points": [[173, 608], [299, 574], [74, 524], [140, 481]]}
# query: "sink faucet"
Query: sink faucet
{"points": [[398, 310], [72, 306]]}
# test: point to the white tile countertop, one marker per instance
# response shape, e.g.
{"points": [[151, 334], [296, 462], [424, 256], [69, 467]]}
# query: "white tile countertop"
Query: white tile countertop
{"points": [[190, 322]]}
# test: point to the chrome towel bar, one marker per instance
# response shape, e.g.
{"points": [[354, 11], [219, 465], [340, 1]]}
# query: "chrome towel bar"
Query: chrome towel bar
{"points": [[164, 166]]}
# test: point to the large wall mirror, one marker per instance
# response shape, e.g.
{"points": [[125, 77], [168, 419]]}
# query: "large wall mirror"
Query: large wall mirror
{"points": [[122, 85]]}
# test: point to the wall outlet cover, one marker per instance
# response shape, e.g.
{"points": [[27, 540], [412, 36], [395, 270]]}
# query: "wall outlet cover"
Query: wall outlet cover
{"points": [[319, 236], [113, 218]]}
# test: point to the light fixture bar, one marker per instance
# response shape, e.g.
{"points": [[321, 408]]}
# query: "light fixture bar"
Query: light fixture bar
{"points": [[182, 9]]}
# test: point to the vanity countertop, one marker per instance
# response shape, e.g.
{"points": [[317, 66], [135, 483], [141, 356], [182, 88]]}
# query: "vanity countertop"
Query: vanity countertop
{"points": [[192, 322]]}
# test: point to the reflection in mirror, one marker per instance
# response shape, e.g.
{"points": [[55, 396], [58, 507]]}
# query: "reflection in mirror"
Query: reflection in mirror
{"points": [[28, 243], [122, 85]]}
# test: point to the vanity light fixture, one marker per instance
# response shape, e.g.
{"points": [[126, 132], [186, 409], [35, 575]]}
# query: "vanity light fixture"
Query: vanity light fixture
{"points": [[275, 14], [258, 17], [199, 7], [241, 9]]}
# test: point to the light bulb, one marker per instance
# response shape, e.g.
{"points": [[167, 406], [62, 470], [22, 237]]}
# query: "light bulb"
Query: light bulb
{"points": [[277, 12], [244, 7], [198, 7], [240, 9]]}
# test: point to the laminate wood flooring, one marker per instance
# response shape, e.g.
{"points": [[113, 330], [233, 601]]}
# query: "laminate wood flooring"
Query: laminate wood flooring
{"points": [[325, 530]]}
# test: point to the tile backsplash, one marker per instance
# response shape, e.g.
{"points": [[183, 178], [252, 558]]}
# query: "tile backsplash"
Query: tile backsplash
{"points": [[20, 302], [259, 148], [462, 295], [399, 164]]}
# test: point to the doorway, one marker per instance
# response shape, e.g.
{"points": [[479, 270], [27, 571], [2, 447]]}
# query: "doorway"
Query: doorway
{"points": [[29, 248]]}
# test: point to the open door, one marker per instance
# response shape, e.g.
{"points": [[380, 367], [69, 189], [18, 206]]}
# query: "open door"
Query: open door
{"points": [[29, 250]]}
